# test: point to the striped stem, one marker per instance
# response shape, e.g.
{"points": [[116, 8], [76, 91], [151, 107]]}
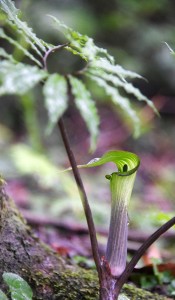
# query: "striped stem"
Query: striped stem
{"points": [[116, 253]]}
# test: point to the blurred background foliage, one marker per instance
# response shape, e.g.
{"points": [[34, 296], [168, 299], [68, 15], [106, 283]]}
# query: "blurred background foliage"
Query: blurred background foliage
{"points": [[134, 32]]}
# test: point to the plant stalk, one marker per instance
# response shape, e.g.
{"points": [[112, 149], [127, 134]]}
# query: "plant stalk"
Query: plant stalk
{"points": [[108, 283], [107, 290], [116, 252], [83, 196]]}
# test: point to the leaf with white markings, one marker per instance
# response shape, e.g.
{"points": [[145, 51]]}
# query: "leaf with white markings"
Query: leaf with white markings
{"points": [[56, 99], [87, 108], [18, 78], [19, 288]]}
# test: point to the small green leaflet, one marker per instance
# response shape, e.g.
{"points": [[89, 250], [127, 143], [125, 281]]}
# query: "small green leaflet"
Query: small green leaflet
{"points": [[56, 98], [78, 41], [120, 158], [3, 296], [82, 45], [18, 78], [19, 288], [87, 108]]}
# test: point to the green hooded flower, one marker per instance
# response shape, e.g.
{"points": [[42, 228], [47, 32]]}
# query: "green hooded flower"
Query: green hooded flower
{"points": [[121, 185]]}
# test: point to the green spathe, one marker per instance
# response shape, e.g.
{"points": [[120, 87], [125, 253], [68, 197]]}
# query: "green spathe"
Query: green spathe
{"points": [[116, 253], [121, 185]]}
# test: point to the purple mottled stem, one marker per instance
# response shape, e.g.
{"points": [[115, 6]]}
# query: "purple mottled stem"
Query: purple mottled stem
{"points": [[116, 252]]}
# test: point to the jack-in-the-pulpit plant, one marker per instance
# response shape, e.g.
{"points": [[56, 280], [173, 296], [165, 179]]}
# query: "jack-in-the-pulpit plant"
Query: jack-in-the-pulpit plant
{"points": [[113, 269], [121, 185]]}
